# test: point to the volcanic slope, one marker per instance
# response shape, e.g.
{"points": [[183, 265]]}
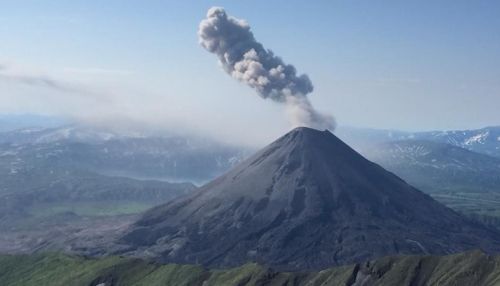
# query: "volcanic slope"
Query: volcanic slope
{"points": [[306, 201]]}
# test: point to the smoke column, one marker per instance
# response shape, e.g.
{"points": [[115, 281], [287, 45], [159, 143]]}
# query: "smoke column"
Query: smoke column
{"points": [[248, 61]]}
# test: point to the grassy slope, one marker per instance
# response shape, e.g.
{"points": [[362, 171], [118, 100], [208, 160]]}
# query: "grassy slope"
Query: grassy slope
{"points": [[472, 268], [91, 209]]}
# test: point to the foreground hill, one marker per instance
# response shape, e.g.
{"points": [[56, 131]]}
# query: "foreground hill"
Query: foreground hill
{"points": [[306, 201], [471, 268]]}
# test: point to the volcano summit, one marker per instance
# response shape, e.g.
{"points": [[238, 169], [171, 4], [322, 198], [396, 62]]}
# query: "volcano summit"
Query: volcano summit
{"points": [[306, 201]]}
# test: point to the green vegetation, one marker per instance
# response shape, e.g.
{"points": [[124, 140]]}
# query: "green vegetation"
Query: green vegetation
{"points": [[91, 209], [57, 269], [471, 268], [484, 203]]}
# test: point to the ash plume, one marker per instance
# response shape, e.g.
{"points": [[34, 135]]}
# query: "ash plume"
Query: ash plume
{"points": [[248, 61]]}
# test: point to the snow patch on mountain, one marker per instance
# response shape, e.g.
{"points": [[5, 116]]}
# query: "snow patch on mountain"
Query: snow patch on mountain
{"points": [[75, 134], [408, 151], [479, 138]]}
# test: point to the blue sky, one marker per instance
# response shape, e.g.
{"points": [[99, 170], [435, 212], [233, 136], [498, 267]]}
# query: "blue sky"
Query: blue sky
{"points": [[412, 65]]}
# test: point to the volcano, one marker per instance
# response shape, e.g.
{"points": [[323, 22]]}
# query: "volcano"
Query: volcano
{"points": [[306, 201]]}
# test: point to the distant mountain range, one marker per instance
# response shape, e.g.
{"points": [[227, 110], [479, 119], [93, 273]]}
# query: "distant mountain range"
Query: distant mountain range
{"points": [[181, 158], [437, 167], [172, 158], [72, 164], [485, 140], [433, 161], [459, 168]]}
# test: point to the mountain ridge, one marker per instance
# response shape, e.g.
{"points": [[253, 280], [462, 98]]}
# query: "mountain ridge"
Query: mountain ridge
{"points": [[483, 140], [469, 268], [437, 166]]}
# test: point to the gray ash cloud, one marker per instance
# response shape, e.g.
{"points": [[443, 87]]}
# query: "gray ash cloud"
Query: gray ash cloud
{"points": [[246, 60]]}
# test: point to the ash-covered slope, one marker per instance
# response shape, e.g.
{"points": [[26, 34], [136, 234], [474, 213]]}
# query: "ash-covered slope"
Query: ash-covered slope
{"points": [[306, 201]]}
